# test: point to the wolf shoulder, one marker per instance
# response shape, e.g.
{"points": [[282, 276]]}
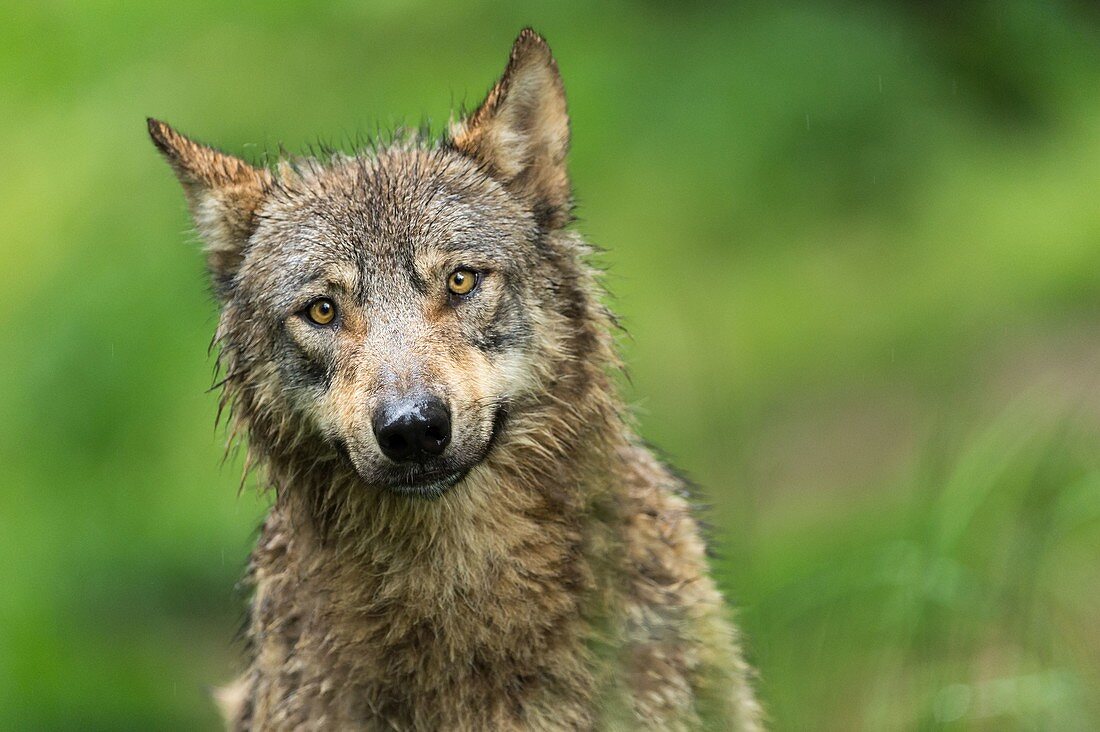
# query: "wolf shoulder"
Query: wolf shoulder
{"points": [[685, 664]]}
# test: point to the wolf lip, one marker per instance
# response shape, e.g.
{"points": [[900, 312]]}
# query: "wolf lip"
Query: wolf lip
{"points": [[428, 485]]}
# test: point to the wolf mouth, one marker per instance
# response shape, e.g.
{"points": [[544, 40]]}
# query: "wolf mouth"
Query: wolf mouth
{"points": [[434, 483], [429, 482], [428, 485]]}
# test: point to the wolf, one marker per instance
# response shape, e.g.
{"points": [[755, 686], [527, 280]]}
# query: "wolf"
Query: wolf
{"points": [[467, 532]]}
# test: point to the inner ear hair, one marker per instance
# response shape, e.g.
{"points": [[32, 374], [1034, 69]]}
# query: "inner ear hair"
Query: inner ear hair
{"points": [[223, 193], [520, 133]]}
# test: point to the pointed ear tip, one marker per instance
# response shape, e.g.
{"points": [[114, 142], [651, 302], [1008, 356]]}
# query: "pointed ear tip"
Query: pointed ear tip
{"points": [[160, 133], [529, 41], [528, 34]]}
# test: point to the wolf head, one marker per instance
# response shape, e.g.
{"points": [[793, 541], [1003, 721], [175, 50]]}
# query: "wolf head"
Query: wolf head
{"points": [[398, 309]]}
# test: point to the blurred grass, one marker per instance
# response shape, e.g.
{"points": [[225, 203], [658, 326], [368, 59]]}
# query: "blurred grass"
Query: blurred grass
{"points": [[856, 246], [967, 607]]}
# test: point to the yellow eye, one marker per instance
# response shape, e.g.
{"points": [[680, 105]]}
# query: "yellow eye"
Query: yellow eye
{"points": [[462, 281], [322, 311]]}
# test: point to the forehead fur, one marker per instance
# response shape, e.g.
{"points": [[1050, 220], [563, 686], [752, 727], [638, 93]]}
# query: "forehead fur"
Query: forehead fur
{"points": [[381, 212]]}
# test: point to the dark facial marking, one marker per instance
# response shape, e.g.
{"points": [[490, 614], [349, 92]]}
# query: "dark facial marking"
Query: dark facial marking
{"points": [[507, 329], [302, 369], [407, 262]]}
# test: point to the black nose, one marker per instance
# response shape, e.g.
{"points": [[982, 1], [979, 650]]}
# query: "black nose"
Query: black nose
{"points": [[412, 429]]}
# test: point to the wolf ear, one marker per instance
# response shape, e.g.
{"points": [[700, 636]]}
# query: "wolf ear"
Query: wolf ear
{"points": [[521, 131], [223, 193]]}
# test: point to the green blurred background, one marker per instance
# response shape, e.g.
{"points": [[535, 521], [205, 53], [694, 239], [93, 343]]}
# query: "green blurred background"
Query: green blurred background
{"points": [[856, 245]]}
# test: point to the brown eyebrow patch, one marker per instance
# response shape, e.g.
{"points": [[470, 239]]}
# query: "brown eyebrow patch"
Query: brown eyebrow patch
{"points": [[334, 276], [320, 281]]}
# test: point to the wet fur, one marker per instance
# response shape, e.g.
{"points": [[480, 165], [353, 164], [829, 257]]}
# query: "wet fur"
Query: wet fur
{"points": [[561, 583]]}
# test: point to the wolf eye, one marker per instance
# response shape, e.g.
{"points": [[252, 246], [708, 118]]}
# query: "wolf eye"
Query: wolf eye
{"points": [[321, 311], [462, 281]]}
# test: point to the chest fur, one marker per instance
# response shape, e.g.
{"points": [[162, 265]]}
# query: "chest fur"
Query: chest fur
{"points": [[445, 636]]}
